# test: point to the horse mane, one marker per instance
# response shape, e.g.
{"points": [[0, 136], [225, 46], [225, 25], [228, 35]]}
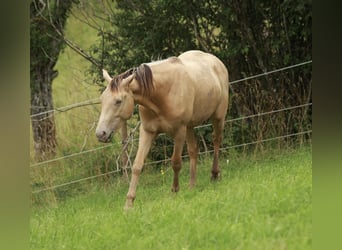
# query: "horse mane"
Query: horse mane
{"points": [[143, 75], [114, 84]]}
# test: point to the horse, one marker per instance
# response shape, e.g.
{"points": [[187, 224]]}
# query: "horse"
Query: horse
{"points": [[173, 95]]}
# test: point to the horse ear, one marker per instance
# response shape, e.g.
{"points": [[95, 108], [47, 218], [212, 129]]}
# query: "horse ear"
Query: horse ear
{"points": [[127, 81], [106, 76]]}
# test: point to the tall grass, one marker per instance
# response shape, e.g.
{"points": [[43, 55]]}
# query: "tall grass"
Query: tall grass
{"points": [[261, 202]]}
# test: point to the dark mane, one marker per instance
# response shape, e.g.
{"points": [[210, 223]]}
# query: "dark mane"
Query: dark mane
{"points": [[143, 75]]}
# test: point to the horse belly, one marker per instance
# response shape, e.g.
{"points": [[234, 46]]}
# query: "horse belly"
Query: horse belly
{"points": [[205, 104]]}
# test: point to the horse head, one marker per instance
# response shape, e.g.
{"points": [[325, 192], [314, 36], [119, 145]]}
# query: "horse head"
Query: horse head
{"points": [[117, 105]]}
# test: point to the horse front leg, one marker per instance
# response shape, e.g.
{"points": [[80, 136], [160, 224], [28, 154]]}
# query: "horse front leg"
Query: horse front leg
{"points": [[145, 142]]}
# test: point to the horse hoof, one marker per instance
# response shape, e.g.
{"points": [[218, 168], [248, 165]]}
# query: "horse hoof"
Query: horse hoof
{"points": [[215, 176], [174, 189], [127, 209], [129, 205]]}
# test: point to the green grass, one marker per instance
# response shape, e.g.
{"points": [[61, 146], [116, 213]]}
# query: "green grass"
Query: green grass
{"points": [[262, 202]]}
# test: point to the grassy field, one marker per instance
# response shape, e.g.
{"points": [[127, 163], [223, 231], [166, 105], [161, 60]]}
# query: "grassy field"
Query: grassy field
{"points": [[262, 202]]}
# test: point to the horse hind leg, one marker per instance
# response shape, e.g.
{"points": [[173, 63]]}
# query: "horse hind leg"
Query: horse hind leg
{"points": [[176, 159], [218, 126], [193, 152]]}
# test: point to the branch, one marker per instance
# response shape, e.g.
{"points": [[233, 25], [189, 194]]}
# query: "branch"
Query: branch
{"points": [[60, 33], [80, 51], [197, 32]]}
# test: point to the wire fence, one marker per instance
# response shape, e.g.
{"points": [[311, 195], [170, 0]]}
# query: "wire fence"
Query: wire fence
{"points": [[197, 127], [169, 159], [96, 101], [272, 71]]}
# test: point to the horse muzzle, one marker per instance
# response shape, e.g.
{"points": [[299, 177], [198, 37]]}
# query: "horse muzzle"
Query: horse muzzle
{"points": [[104, 136]]}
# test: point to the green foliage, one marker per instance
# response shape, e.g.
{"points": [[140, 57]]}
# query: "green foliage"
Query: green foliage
{"points": [[245, 35], [261, 202]]}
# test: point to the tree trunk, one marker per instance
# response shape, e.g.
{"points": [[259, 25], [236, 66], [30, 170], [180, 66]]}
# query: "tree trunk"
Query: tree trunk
{"points": [[47, 22], [43, 122]]}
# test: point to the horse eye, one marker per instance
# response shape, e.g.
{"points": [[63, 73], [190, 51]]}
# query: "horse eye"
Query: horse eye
{"points": [[118, 102]]}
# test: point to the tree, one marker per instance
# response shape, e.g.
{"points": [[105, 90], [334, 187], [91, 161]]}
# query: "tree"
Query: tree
{"points": [[47, 22]]}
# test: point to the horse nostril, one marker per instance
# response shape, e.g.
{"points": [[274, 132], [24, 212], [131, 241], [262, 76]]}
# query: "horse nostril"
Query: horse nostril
{"points": [[101, 134]]}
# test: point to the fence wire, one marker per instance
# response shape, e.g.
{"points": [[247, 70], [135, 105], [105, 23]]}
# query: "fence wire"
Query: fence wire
{"points": [[197, 127], [169, 159], [271, 72], [96, 100]]}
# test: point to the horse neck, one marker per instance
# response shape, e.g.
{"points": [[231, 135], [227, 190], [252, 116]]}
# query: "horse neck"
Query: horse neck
{"points": [[146, 101]]}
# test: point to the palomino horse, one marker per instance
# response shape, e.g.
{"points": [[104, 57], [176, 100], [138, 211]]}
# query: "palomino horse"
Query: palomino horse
{"points": [[174, 96]]}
